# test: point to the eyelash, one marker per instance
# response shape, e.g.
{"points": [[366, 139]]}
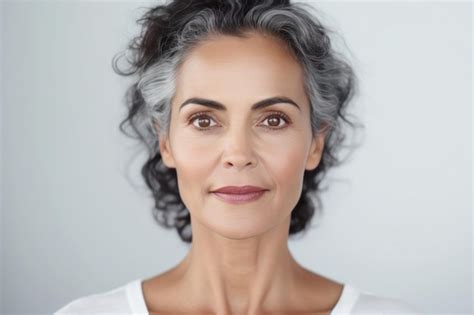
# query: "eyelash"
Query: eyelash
{"points": [[271, 114]]}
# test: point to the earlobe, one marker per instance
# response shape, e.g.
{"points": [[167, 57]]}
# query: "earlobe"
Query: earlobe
{"points": [[166, 154]]}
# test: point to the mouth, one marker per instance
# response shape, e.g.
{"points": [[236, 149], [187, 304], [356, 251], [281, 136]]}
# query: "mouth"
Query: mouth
{"points": [[239, 194], [239, 198], [238, 189]]}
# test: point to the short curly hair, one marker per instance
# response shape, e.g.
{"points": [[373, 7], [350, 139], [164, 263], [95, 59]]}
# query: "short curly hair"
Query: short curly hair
{"points": [[168, 33]]}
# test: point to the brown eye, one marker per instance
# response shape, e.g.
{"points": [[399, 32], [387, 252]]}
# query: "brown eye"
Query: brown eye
{"points": [[201, 121], [275, 119], [205, 121]]}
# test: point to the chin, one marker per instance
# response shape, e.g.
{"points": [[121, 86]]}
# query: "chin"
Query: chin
{"points": [[239, 228]]}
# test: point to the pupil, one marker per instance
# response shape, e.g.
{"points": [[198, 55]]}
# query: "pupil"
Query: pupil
{"points": [[275, 120], [204, 119]]}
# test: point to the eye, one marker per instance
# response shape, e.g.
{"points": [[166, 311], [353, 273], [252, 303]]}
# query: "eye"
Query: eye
{"points": [[274, 120], [203, 121]]}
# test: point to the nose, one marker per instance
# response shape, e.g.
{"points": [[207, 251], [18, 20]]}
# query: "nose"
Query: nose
{"points": [[239, 151]]}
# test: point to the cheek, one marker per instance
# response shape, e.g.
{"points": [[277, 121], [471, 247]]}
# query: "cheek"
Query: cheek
{"points": [[287, 164], [193, 160]]}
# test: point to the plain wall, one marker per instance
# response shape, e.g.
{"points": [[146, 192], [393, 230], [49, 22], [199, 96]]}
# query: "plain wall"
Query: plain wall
{"points": [[1, 157], [76, 216]]}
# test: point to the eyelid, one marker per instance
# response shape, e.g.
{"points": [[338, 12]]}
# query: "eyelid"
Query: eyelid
{"points": [[198, 114]]}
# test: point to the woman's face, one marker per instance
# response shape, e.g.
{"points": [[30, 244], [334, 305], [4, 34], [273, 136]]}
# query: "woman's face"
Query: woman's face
{"points": [[238, 145]]}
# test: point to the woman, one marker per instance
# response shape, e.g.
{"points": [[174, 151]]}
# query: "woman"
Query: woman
{"points": [[242, 106]]}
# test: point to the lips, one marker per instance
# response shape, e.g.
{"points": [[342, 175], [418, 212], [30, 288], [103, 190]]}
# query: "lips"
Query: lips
{"points": [[247, 189], [239, 194]]}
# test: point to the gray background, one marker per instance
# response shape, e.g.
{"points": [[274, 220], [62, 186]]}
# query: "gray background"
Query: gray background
{"points": [[76, 216]]}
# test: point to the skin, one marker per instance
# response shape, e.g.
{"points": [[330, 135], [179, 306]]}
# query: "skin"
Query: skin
{"points": [[239, 261]]}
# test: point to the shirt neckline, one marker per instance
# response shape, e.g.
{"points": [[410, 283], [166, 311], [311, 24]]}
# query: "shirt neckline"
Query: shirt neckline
{"points": [[136, 299], [347, 300]]}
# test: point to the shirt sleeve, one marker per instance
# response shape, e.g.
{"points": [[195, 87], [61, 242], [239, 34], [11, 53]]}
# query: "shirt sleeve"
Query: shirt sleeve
{"points": [[372, 304], [102, 304]]}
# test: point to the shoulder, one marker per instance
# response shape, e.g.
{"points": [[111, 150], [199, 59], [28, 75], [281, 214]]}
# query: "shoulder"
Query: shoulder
{"points": [[112, 301], [371, 303]]}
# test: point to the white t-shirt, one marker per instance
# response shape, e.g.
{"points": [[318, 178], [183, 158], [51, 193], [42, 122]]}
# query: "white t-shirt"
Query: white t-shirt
{"points": [[128, 299]]}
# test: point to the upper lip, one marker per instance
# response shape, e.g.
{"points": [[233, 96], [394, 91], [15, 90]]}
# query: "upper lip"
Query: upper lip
{"points": [[238, 189]]}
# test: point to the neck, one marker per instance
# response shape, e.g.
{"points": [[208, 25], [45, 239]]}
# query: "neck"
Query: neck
{"points": [[240, 276]]}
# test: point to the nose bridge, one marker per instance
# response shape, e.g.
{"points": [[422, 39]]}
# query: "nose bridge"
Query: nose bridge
{"points": [[239, 150]]}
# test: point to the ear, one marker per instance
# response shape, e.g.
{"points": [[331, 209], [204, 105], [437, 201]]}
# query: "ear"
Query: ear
{"points": [[165, 150], [166, 153], [316, 151]]}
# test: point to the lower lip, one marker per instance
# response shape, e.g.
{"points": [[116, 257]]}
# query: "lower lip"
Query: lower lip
{"points": [[239, 198]]}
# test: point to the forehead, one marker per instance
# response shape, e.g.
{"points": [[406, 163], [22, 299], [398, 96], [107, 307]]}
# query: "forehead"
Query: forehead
{"points": [[253, 68]]}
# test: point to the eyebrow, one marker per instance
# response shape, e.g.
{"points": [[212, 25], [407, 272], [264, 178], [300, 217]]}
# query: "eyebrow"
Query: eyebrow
{"points": [[260, 104]]}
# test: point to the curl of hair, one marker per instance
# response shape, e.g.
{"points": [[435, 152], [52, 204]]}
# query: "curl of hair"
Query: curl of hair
{"points": [[169, 31]]}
